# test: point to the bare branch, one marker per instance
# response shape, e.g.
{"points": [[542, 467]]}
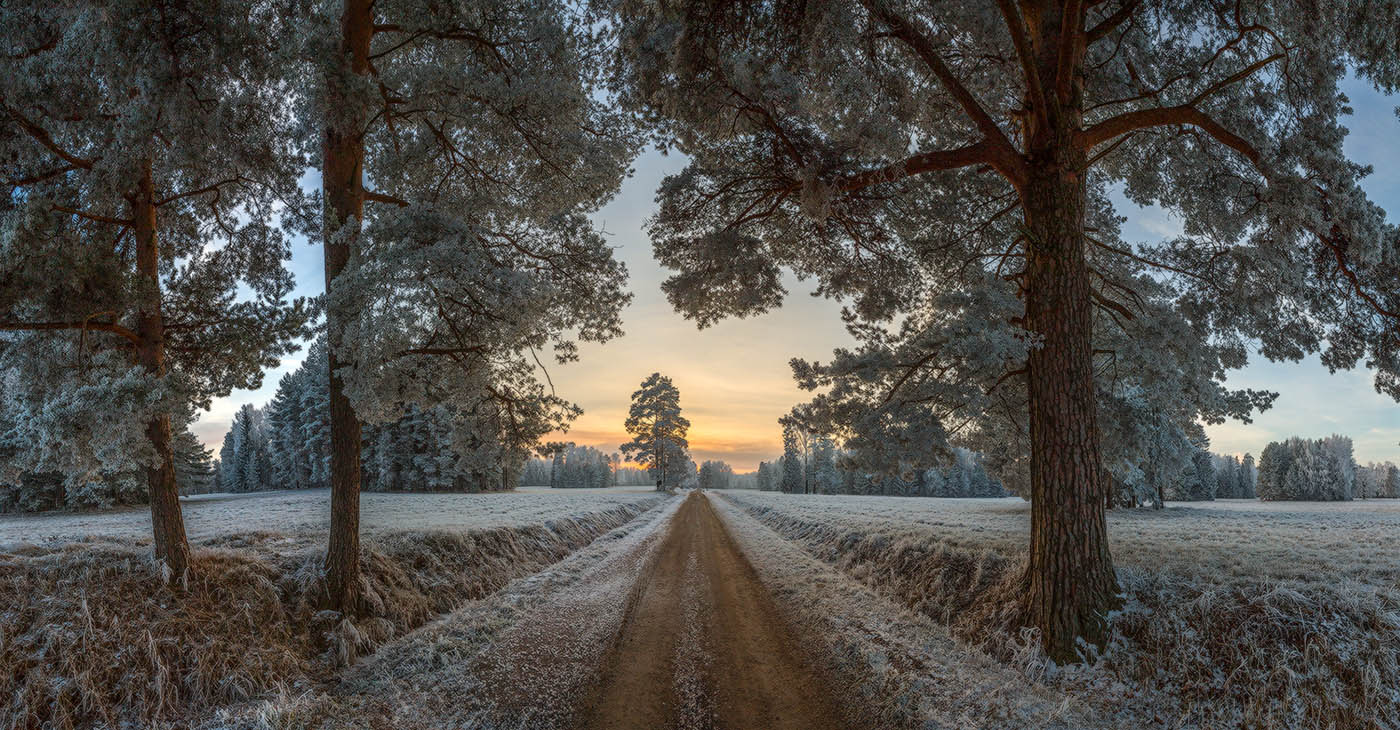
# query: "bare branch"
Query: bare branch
{"points": [[206, 189], [1338, 249], [976, 154], [1005, 158], [92, 216], [1107, 25], [1020, 38], [41, 176], [1175, 116], [1071, 29]]}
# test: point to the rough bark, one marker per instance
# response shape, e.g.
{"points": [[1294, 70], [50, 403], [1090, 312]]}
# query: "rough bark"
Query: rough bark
{"points": [[343, 185], [1070, 583], [167, 522]]}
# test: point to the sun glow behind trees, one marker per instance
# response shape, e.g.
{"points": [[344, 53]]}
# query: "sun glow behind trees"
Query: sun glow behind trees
{"points": [[463, 147], [948, 165]]}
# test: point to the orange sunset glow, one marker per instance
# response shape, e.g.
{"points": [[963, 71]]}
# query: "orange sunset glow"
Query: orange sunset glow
{"points": [[735, 380]]}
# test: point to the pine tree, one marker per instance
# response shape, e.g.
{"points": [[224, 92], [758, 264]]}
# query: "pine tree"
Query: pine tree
{"points": [[133, 136], [485, 132], [948, 164], [194, 465], [658, 432]]}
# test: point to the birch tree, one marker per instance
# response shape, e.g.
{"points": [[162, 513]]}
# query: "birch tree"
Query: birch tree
{"points": [[142, 150], [462, 145], [953, 160]]}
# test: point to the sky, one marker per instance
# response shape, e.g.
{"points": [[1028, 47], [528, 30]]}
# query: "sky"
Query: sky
{"points": [[735, 380]]}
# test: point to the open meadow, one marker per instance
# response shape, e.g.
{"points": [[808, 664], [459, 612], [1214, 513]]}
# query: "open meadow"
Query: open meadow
{"points": [[293, 515], [507, 611]]}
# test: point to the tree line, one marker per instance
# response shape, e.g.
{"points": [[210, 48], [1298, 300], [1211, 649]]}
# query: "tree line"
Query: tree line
{"points": [[825, 469], [568, 465], [1322, 470], [286, 445], [1191, 474]]}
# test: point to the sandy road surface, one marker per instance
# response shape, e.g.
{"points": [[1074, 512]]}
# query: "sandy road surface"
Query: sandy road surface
{"points": [[660, 625], [703, 645]]}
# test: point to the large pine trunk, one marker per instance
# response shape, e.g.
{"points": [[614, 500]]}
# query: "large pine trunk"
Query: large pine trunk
{"points": [[167, 523], [1070, 585], [1070, 580], [343, 185]]}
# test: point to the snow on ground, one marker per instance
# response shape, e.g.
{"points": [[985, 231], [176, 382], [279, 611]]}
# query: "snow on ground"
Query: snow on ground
{"points": [[212, 516]]}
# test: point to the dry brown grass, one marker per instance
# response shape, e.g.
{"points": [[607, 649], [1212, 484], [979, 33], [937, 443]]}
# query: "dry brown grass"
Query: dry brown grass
{"points": [[1209, 647], [90, 636]]}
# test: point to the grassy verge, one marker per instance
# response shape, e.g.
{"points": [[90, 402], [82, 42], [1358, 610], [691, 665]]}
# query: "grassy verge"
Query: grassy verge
{"points": [[91, 637], [1210, 650]]}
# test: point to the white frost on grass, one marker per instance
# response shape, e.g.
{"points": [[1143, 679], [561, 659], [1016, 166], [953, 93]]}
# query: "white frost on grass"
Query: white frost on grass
{"points": [[1237, 613], [520, 658], [210, 517], [249, 621], [902, 670], [1303, 541]]}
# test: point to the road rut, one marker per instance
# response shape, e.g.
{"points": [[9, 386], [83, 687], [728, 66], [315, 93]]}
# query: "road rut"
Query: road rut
{"points": [[705, 647]]}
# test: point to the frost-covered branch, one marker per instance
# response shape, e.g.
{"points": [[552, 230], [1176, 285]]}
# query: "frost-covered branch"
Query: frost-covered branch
{"points": [[84, 325]]}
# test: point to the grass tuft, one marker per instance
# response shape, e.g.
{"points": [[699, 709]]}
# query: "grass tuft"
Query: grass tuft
{"points": [[1213, 649], [91, 636]]}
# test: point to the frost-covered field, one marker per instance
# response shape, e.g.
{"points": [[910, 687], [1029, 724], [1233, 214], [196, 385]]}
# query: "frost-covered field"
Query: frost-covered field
{"points": [[90, 635], [1304, 541], [903, 669], [1236, 614], [212, 516], [518, 659]]}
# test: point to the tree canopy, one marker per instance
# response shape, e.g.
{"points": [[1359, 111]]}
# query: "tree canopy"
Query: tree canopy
{"points": [[658, 432], [145, 156], [946, 171]]}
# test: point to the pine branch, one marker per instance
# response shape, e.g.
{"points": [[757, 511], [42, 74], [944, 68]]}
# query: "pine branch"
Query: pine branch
{"points": [[112, 327], [43, 137], [374, 197], [92, 216]]}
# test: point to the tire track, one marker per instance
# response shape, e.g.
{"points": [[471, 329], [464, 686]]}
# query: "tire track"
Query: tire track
{"points": [[704, 646]]}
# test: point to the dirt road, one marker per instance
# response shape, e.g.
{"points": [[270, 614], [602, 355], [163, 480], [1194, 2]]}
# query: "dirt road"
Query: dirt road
{"points": [[703, 646]]}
